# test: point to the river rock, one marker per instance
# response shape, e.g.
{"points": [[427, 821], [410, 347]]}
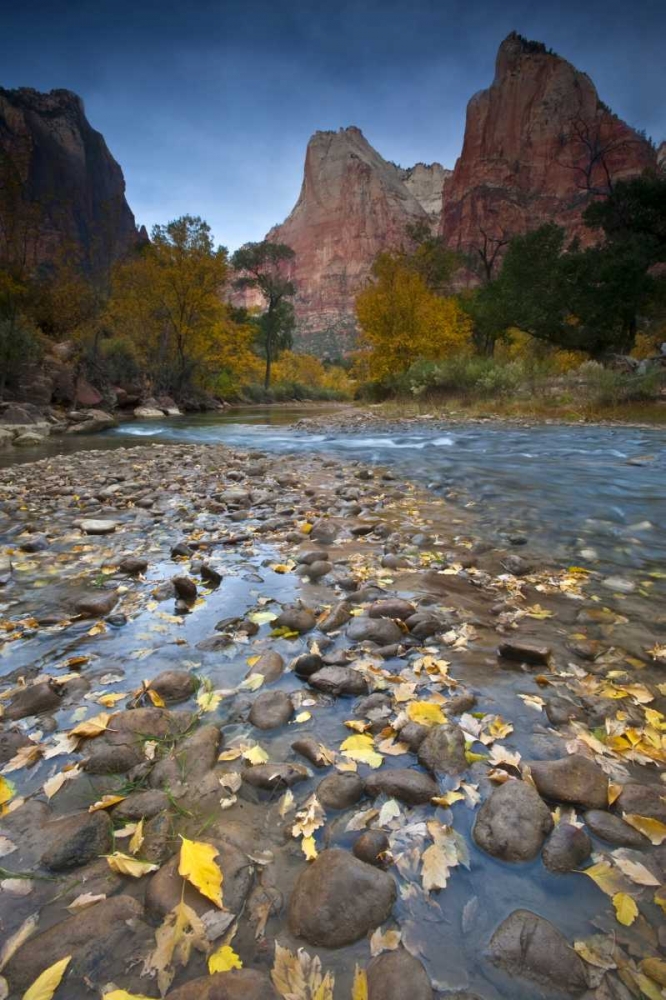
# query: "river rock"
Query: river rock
{"points": [[339, 791], [308, 747], [392, 607], [94, 938], [566, 848], [271, 709], [574, 779], [338, 681], [403, 783], [148, 413], [529, 946], [443, 750], [174, 685], [46, 696], [338, 899], [185, 588], [11, 741], [369, 845], [524, 652], [270, 665], [238, 984], [29, 439], [166, 885], [614, 830], [643, 800], [338, 616], [413, 734], [275, 775], [94, 526], [141, 805], [184, 769], [76, 840], [397, 975], [121, 745], [97, 605], [307, 664], [296, 620], [513, 822], [381, 631]]}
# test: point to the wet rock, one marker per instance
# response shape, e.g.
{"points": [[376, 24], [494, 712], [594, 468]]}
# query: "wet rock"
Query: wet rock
{"points": [[338, 899], [528, 946], [34, 543], [397, 975], [566, 849], [308, 747], [338, 616], [524, 652], [11, 742], [121, 745], [338, 681], [392, 607], [181, 550], [210, 576], [5, 570], [271, 709], [29, 439], [614, 830], [188, 763], [315, 570], [560, 711], [47, 696], [174, 685], [312, 556], [238, 984], [381, 631], [574, 779], [461, 703], [643, 800], [512, 823], [339, 791], [378, 701], [141, 805], [443, 750], [402, 783], [96, 605], [94, 526], [307, 664], [323, 531], [165, 887], [133, 565], [94, 938], [76, 840], [270, 665], [296, 620], [275, 775], [185, 588], [369, 845], [413, 734], [158, 837]]}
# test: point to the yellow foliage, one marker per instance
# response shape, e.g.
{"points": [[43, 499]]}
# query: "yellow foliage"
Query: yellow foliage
{"points": [[401, 320], [309, 371], [197, 865], [647, 345], [520, 346]]}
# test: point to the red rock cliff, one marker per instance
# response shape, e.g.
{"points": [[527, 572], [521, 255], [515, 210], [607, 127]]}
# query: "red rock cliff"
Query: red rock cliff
{"points": [[536, 143], [60, 187], [352, 205]]}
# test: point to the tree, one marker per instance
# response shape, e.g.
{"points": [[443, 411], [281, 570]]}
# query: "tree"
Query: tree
{"points": [[167, 299], [401, 320], [592, 145], [261, 266], [431, 258]]}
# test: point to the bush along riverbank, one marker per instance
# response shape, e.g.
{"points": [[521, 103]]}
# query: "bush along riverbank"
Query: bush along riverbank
{"points": [[253, 705]]}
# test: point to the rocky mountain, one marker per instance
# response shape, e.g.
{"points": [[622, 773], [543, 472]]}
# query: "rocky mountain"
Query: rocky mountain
{"points": [[353, 204], [60, 187], [539, 143]]}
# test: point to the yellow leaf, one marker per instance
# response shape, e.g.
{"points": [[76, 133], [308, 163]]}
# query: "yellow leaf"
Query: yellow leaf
{"points": [[180, 931], [607, 878], [303, 717], [436, 868], [232, 754], [360, 986], [447, 799], [626, 910], [299, 977], [614, 791], [208, 701], [157, 700], [92, 727], [655, 968], [634, 870], [223, 960], [255, 755], [55, 783], [282, 567], [309, 848], [653, 829], [384, 941], [262, 618], [45, 985], [106, 802], [124, 995], [361, 749], [126, 865], [7, 790], [426, 713], [254, 681], [137, 838], [110, 699], [198, 866]]}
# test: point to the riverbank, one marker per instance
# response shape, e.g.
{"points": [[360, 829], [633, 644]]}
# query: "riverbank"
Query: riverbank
{"points": [[335, 678]]}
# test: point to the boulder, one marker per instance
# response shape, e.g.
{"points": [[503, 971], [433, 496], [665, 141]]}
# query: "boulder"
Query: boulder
{"points": [[95, 421], [529, 946], [392, 607], [443, 750], [338, 899], [95, 526], [148, 413], [574, 779], [296, 620], [397, 975], [403, 783], [513, 822], [524, 652]]}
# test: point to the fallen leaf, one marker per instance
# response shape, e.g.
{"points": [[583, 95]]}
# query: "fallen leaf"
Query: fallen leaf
{"points": [[653, 829], [124, 864], [91, 727], [124, 995], [198, 866], [634, 870], [299, 977], [137, 839], [597, 950], [390, 810], [426, 713], [6, 791], [18, 938], [606, 877], [180, 931], [309, 848], [255, 755], [626, 910], [360, 984], [384, 941], [85, 900], [45, 985], [655, 968], [223, 960], [55, 783], [106, 802], [361, 748], [208, 701], [24, 757]]}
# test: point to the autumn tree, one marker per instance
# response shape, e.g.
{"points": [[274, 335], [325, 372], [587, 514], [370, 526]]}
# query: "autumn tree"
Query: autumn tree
{"points": [[401, 320], [260, 266], [167, 300]]}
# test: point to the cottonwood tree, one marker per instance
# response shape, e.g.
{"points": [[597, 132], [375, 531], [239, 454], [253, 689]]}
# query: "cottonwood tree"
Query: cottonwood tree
{"points": [[260, 266]]}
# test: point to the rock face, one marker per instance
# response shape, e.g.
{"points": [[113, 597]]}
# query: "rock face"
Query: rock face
{"points": [[526, 149], [60, 184], [353, 204]]}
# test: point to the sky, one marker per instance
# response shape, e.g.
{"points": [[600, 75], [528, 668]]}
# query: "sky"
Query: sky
{"points": [[208, 104]]}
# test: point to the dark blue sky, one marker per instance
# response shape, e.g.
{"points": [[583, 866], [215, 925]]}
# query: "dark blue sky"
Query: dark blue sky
{"points": [[208, 104]]}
